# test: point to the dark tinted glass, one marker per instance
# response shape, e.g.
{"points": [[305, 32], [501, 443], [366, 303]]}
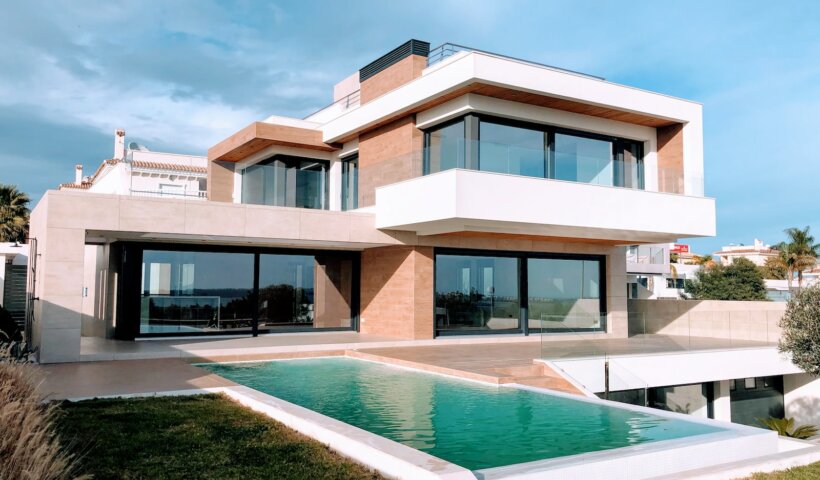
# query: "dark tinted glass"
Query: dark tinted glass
{"points": [[286, 182], [190, 292], [476, 293]]}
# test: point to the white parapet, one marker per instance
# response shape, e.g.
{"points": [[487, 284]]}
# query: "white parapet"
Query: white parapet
{"points": [[466, 200]]}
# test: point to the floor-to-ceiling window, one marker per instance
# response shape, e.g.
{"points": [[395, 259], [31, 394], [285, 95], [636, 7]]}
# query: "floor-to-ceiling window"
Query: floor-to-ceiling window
{"points": [[475, 293], [486, 143], [175, 290], [350, 183], [510, 149], [756, 398], [444, 147], [191, 292], [564, 294], [305, 291], [287, 181], [583, 159], [488, 292]]}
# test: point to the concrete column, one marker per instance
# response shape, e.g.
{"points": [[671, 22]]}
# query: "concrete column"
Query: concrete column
{"points": [[59, 282], [618, 320], [335, 190], [722, 404]]}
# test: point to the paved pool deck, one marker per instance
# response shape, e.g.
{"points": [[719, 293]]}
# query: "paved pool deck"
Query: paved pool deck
{"points": [[111, 367]]}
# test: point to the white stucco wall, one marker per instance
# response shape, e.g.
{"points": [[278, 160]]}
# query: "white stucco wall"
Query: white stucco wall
{"points": [[801, 394]]}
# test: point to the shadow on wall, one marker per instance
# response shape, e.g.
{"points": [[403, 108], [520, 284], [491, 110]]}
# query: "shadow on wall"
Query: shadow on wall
{"points": [[56, 332], [804, 410]]}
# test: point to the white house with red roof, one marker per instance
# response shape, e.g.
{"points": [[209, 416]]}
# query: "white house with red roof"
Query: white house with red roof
{"points": [[135, 170]]}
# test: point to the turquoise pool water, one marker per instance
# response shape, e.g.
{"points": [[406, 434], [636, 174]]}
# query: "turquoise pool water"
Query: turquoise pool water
{"points": [[466, 423]]}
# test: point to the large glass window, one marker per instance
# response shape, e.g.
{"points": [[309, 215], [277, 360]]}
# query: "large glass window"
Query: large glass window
{"points": [[694, 399], [475, 293], [444, 148], [581, 159], [491, 144], [191, 292], [286, 181], [350, 183], [513, 150], [564, 294], [200, 292], [305, 291]]}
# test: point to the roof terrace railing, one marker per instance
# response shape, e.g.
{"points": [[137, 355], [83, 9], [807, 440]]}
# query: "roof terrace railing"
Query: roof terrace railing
{"points": [[446, 50], [348, 101]]}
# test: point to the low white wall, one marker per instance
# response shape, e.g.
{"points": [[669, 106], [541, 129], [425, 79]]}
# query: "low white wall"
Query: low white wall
{"points": [[757, 321]]}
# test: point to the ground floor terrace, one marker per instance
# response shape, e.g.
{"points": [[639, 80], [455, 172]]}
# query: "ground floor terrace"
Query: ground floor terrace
{"points": [[706, 378]]}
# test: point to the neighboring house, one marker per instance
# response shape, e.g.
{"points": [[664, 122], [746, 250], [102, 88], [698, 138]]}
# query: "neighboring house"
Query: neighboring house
{"points": [[652, 276], [456, 192], [138, 171], [13, 261], [757, 253]]}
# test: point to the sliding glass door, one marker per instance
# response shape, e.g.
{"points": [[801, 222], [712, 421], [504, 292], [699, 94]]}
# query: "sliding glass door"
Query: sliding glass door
{"points": [[491, 292], [477, 293], [185, 290]]}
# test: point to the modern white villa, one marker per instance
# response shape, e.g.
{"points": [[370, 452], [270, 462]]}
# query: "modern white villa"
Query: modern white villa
{"points": [[454, 211]]}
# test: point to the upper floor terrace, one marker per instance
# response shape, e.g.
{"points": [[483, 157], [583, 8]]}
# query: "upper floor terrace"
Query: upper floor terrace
{"points": [[460, 140]]}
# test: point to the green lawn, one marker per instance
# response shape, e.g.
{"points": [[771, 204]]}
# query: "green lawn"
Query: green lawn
{"points": [[807, 472], [202, 437]]}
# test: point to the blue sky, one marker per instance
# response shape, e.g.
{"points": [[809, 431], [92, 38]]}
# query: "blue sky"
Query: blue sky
{"points": [[182, 75]]}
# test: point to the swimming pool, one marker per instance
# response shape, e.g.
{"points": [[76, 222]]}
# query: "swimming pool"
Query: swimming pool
{"points": [[470, 424]]}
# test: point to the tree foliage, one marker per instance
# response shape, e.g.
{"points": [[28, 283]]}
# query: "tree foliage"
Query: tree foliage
{"points": [[785, 428], [774, 269], [13, 214], [801, 329], [741, 280], [798, 253]]}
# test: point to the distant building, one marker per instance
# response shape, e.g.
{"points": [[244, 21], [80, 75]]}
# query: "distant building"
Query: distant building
{"points": [[652, 275], [758, 253], [138, 171]]}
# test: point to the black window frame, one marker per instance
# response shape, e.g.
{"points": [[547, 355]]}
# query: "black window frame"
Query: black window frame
{"points": [[472, 145], [346, 161], [523, 286]]}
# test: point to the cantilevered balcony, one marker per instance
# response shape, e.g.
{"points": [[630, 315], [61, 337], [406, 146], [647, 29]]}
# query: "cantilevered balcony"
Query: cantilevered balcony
{"points": [[460, 200]]}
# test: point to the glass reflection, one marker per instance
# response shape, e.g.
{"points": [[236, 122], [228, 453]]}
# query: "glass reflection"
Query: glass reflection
{"points": [[564, 294], [444, 149], [513, 150], [476, 293], [190, 292], [305, 291], [581, 159], [286, 181]]}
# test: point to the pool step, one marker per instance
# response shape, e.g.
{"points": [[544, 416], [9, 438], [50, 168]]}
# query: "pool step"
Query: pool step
{"points": [[550, 383], [536, 375]]}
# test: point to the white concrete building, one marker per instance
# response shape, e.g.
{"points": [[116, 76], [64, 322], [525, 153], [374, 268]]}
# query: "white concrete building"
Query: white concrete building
{"points": [[651, 275], [757, 253], [457, 194], [137, 171]]}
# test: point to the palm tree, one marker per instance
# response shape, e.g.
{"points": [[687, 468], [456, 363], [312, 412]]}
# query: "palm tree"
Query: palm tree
{"points": [[799, 253], [13, 214]]}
